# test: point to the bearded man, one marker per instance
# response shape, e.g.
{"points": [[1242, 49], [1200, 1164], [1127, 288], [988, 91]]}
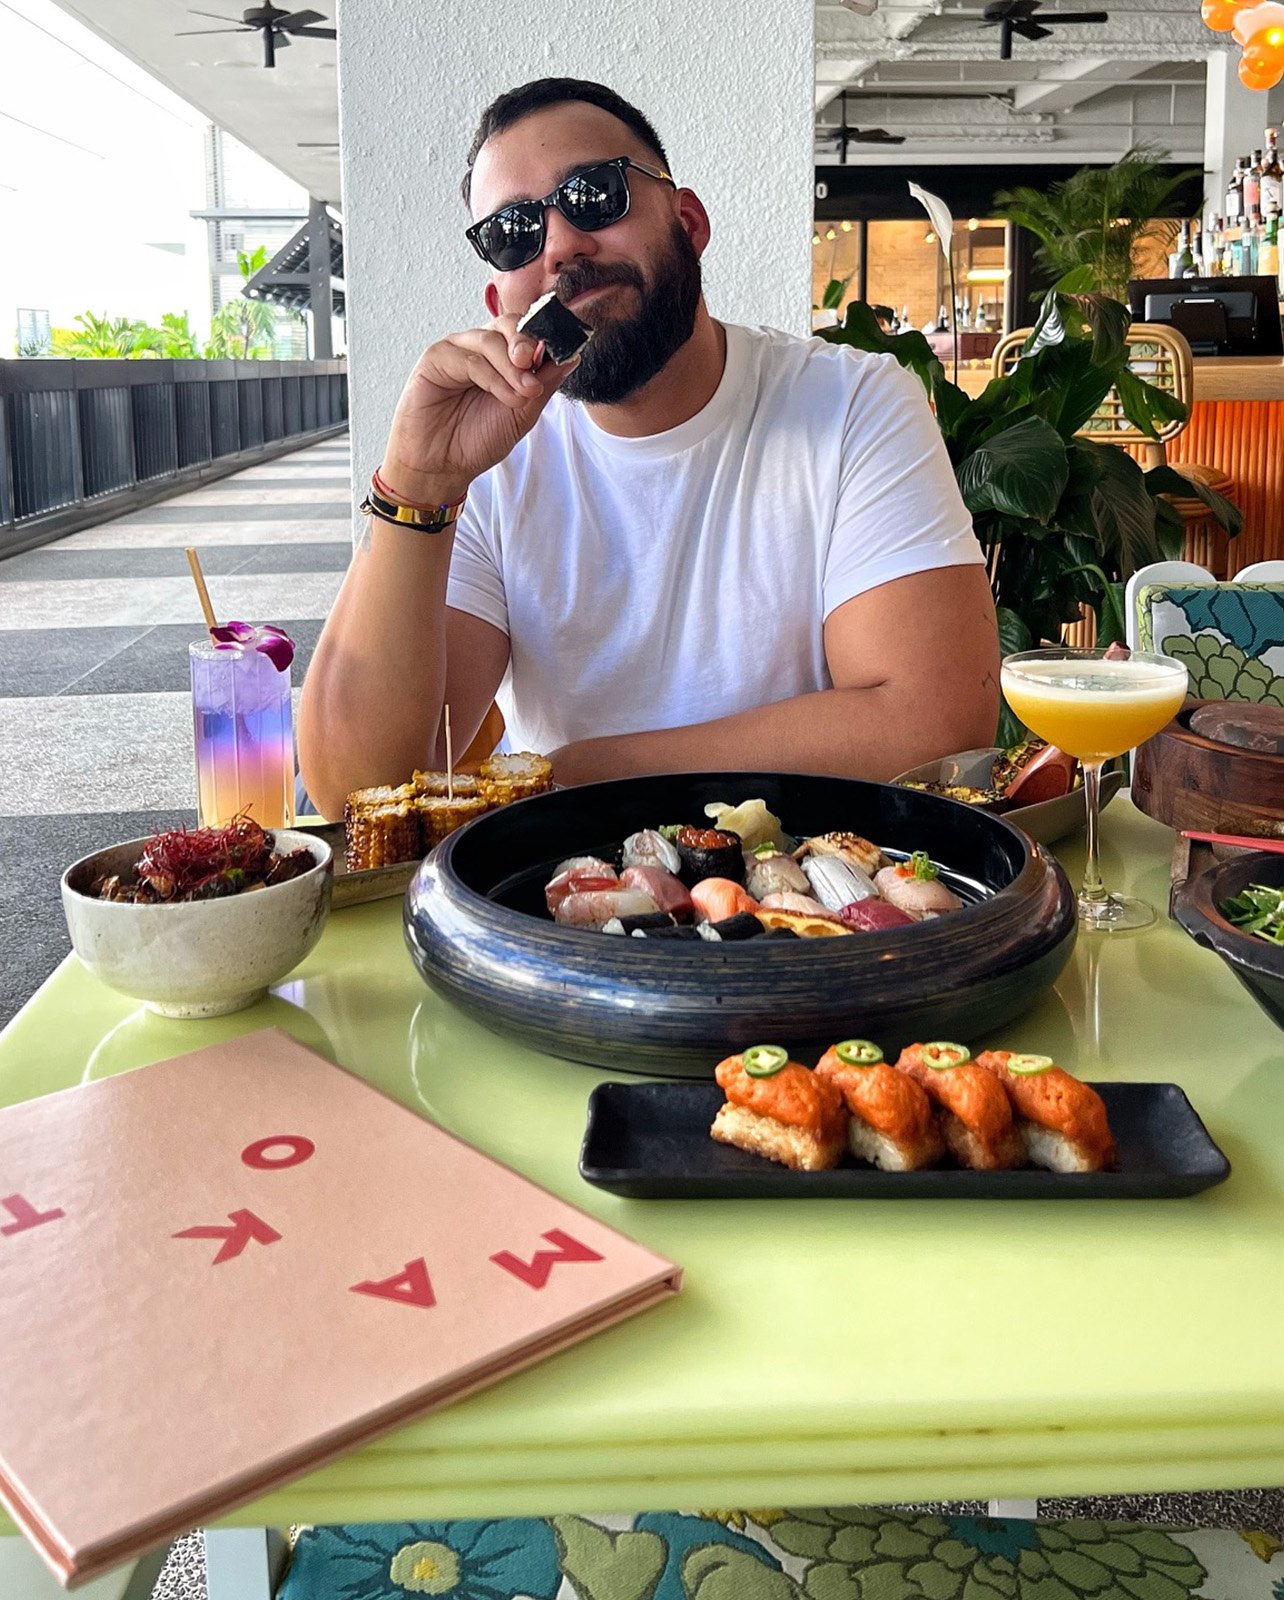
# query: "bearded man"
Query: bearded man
{"points": [[697, 546]]}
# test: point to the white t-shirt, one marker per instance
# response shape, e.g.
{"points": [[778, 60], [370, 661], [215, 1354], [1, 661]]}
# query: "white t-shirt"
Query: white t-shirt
{"points": [[667, 580]]}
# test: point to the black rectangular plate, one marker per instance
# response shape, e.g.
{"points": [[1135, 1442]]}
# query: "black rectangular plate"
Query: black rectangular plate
{"points": [[651, 1141]]}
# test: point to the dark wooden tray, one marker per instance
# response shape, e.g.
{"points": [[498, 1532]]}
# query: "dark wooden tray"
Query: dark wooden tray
{"points": [[651, 1141]]}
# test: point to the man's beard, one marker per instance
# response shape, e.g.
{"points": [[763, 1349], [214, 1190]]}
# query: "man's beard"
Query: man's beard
{"points": [[628, 352]]}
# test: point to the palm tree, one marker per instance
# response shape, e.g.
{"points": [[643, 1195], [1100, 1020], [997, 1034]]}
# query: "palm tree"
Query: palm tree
{"points": [[106, 338], [1097, 216]]}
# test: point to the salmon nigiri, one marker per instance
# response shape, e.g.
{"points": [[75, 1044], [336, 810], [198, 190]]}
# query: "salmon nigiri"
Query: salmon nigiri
{"points": [[891, 1122], [718, 898], [779, 1109], [1061, 1121], [976, 1118]]}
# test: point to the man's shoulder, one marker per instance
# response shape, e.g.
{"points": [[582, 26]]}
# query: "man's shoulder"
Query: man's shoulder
{"points": [[794, 361]]}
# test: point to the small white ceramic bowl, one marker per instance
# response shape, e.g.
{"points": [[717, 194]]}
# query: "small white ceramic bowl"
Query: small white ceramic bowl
{"points": [[200, 958]]}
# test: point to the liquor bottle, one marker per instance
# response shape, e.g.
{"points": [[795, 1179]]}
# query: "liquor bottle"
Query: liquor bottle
{"points": [[1235, 195], [1252, 240], [1183, 262], [982, 323], [1211, 241], [1253, 184], [1268, 255], [1272, 177], [942, 319]]}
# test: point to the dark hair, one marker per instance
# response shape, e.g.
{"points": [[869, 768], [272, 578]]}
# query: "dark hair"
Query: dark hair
{"points": [[518, 103]]}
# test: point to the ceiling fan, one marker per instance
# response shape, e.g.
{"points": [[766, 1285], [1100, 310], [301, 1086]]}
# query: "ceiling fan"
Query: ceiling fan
{"points": [[276, 25], [1017, 16], [845, 135]]}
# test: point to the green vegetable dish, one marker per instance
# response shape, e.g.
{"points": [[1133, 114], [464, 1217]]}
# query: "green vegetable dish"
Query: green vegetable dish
{"points": [[1258, 909]]}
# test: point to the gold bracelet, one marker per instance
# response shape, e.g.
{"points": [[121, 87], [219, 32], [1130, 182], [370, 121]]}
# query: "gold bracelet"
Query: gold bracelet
{"points": [[426, 519]]}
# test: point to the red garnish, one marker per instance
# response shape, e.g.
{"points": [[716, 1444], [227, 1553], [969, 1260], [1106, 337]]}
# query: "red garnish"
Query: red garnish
{"points": [[706, 838], [177, 865]]}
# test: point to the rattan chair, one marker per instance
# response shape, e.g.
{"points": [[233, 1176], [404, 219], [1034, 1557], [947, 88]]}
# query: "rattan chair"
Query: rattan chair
{"points": [[1161, 357]]}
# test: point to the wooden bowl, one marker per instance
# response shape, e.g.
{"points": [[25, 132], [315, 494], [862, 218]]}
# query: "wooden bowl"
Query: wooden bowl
{"points": [[478, 931], [1181, 778], [1259, 966]]}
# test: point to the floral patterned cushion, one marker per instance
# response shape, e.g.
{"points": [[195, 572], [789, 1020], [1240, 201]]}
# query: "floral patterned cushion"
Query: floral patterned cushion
{"points": [[827, 1554], [1230, 636]]}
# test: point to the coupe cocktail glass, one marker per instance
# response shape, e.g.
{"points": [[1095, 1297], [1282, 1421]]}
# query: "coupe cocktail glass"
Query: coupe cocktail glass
{"points": [[1094, 707], [244, 735]]}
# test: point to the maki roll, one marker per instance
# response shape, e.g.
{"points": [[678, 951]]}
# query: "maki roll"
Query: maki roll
{"points": [[743, 925], [710, 853], [646, 922]]}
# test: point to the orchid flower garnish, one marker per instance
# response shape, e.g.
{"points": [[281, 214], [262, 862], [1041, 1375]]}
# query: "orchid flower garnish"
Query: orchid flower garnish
{"points": [[274, 643]]}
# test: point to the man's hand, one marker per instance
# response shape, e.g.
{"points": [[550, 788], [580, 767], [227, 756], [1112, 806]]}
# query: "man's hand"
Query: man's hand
{"points": [[470, 398]]}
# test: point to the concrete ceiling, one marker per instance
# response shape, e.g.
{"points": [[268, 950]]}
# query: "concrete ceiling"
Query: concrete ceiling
{"points": [[284, 114], [926, 69]]}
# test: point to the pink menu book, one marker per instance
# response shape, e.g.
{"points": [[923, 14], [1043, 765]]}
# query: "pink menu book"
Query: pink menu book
{"points": [[218, 1272]]}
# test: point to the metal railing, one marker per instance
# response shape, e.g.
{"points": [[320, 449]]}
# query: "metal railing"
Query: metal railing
{"points": [[81, 441]]}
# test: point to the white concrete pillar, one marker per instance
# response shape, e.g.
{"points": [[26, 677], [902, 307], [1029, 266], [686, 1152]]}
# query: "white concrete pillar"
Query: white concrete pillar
{"points": [[727, 85], [1235, 119]]}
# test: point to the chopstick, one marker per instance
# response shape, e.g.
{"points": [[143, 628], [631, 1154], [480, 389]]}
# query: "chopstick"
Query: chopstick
{"points": [[1242, 840]]}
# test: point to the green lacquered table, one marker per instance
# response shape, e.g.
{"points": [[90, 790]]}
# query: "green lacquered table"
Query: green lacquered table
{"points": [[821, 1352]]}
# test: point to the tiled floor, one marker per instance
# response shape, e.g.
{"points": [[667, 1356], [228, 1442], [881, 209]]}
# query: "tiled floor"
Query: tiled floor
{"points": [[95, 744]]}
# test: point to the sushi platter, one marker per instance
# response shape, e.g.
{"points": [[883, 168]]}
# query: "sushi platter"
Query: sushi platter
{"points": [[650, 1141], [836, 904]]}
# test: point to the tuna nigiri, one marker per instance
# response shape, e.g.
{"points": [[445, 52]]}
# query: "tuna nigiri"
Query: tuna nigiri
{"points": [[668, 892], [874, 916], [777, 1108], [890, 1117], [717, 898], [976, 1118], [1061, 1121]]}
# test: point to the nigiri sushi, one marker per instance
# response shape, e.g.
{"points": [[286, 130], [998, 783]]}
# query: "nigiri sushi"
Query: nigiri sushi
{"points": [[779, 1109], [666, 890], [594, 875], [915, 887], [1062, 1122], [805, 903], [848, 847], [890, 1117], [837, 882], [593, 908], [874, 916], [976, 1121], [651, 849], [717, 898], [767, 871]]}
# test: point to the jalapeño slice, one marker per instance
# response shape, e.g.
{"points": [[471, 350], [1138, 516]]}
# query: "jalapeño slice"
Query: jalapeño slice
{"points": [[941, 1055], [1026, 1066], [858, 1053], [764, 1060]]}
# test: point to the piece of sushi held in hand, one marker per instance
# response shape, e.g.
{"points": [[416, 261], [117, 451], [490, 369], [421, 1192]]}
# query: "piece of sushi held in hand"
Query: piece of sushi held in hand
{"points": [[1062, 1122], [563, 333], [890, 1119], [779, 1109], [975, 1115]]}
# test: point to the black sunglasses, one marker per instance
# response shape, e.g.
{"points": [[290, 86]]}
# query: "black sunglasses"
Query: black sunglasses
{"points": [[590, 198]]}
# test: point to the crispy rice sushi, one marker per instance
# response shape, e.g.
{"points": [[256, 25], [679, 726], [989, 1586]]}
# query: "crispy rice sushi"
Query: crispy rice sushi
{"points": [[1061, 1121], [890, 1120], [977, 1122], [778, 1109]]}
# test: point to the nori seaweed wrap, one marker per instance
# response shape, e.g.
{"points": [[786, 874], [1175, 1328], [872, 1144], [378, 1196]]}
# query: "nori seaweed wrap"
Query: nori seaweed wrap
{"points": [[744, 925], [710, 853]]}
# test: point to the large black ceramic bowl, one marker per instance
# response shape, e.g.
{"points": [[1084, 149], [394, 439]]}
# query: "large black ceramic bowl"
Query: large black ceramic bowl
{"points": [[1258, 966], [479, 933]]}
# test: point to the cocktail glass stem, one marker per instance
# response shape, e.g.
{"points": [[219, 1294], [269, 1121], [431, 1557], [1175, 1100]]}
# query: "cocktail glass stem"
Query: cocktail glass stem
{"points": [[1093, 896]]}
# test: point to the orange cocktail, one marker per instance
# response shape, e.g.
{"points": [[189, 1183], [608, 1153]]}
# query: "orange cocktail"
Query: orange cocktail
{"points": [[1094, 707]]}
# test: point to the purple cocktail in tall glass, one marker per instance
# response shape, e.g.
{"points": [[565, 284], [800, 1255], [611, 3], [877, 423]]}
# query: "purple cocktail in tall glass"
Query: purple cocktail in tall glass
{"points": [[242, 729]]}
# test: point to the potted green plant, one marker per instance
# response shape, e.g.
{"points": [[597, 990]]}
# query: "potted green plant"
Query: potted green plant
{"points": [[1063, 520], [1095, 218]]}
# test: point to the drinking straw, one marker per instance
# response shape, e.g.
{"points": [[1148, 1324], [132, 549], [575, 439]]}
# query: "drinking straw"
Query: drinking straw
{"points": [[450, 761], [198, 578]]}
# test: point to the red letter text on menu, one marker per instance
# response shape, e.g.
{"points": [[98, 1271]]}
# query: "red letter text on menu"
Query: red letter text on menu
{"points": [[25, 1215], [411, 1287], [245, 1226], [537, 1271]]}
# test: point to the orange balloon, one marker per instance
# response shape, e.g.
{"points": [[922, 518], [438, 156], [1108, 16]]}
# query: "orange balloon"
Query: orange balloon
{"points": [[1263, 76], [1219, 15], [1267, 44]]}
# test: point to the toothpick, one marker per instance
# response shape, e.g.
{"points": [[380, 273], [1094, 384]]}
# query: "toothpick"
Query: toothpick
{"points": [[450, 761], [198, 577]]}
